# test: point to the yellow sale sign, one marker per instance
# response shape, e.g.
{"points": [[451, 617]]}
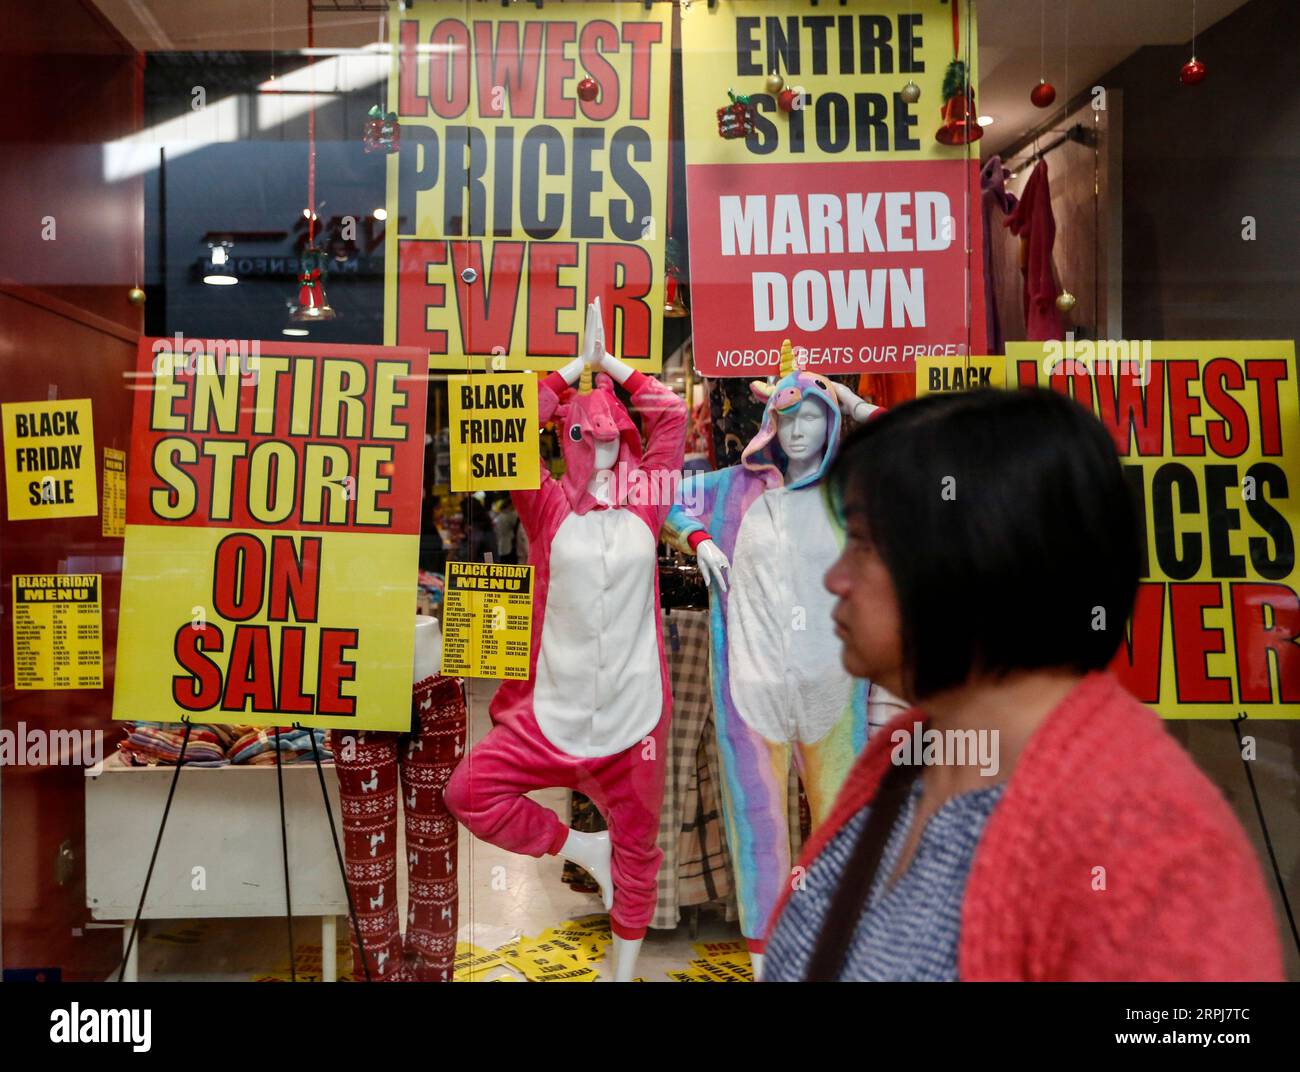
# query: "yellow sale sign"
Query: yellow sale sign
{"points": [[1209, 436], [272, 536], [493, 426], [945, 375], [49, 452], [531, 178]]}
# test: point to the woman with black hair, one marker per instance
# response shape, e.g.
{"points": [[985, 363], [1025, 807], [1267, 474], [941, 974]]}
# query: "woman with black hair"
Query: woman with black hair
{"points": [[1027, 819]]}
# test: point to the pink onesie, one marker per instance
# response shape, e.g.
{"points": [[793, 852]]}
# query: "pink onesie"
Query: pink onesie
{"points": [[593, 714]]}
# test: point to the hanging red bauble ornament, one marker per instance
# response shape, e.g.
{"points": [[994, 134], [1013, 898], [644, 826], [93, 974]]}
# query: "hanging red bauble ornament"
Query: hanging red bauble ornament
{"points": [[785, 100], [588, 90], [1042, 94], [1193, 72]]}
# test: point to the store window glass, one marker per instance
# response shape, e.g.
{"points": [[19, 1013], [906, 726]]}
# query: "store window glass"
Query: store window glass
{"points": [[418, 421]]}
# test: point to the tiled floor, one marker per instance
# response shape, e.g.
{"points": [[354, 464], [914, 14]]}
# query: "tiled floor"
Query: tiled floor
{"points": [[502, 897]]}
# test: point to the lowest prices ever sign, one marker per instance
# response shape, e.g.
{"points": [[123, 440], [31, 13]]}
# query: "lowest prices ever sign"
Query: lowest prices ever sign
{"points": [[841, 223], [272, 536], [1209, 434], [532, 178]]}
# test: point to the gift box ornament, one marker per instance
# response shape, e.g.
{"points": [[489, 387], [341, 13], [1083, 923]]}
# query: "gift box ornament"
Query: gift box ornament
{"points": [[736, 120], [382, 134]]}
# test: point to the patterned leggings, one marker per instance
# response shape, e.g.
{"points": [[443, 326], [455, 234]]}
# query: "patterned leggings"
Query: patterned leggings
{"points": [[368, 765]]}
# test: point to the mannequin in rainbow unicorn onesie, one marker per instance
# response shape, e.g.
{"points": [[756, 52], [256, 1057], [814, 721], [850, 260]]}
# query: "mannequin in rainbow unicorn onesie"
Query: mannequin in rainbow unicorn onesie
{"points": [[593, 713], [764, 539]]}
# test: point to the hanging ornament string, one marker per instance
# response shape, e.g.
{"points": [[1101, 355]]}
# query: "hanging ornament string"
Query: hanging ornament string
{"points": [[1065, 301], [970, 313], [1042, 41], [311, 129]]}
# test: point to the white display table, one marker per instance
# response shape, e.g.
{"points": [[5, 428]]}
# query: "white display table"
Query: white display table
{"points": [[220, 856]]}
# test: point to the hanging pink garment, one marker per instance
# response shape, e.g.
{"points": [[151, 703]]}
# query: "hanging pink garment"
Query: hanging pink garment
{"points": [[1032, 221]]}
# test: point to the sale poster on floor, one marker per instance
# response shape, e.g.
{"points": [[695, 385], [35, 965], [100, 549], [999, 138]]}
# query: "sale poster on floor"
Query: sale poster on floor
{"points": [[49, 459], [531, 179], [839, 220], [493, 424], [487, 620], [1209, 434], [58, 631], [272, 535]]}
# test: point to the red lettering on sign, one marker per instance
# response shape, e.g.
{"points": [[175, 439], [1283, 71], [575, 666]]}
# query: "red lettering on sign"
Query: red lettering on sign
{"points": [[1193, 641], [1255, 639], [1137, 663]]}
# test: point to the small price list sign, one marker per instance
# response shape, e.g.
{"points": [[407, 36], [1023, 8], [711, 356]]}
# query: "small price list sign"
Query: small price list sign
{"points": [[487, 620], [58, 631]]}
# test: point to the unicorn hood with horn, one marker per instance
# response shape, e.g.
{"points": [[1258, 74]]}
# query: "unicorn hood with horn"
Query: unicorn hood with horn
{"points": [[780, 691], [763, 454]]}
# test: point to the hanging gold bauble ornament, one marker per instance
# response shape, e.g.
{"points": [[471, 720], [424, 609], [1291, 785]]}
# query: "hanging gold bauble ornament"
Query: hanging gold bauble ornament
{"points": [[911, 93], [775, 83], [1065, 301], [135, 296]]}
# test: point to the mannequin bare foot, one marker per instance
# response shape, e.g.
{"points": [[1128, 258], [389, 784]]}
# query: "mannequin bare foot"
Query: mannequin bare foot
{"points": [[592, 851]]}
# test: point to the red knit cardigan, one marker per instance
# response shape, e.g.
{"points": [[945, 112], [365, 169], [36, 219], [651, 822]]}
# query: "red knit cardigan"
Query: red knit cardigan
{"points": [[1099, 785]]}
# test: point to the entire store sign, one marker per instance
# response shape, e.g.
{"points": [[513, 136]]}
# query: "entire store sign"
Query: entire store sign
{"points": [[840, 223], [1209, 434], [531, 179], [272, 535]]}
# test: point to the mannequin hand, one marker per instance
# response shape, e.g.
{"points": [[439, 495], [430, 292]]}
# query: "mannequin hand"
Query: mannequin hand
{"points": [[854, 407], [713, 564], [593, 338]]}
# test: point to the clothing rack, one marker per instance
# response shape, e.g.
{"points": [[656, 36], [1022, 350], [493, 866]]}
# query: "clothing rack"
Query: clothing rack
{"points": [[1077, 133]]}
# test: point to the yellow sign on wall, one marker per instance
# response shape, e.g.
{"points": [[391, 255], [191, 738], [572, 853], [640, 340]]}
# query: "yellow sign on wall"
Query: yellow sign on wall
{"points": [[272, 537], [1209, 436], [58, 632], [49, 450], [487, 620], [531, 178], [112, 515], [851, 61], [493, 425], [943, 375]]}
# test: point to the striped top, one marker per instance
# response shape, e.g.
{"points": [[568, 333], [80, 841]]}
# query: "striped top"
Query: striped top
{"points": [[908, 933]]}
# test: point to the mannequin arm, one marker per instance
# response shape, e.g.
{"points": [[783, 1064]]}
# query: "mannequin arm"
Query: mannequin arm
{"points": [[855, 408]]}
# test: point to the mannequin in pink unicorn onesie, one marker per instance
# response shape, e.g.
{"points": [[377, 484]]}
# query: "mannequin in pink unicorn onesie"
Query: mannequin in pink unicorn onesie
{"points": [[593, 713]]}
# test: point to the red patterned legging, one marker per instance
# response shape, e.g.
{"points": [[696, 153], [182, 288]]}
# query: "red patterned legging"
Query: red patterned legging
{"points": [[368, 766]]}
